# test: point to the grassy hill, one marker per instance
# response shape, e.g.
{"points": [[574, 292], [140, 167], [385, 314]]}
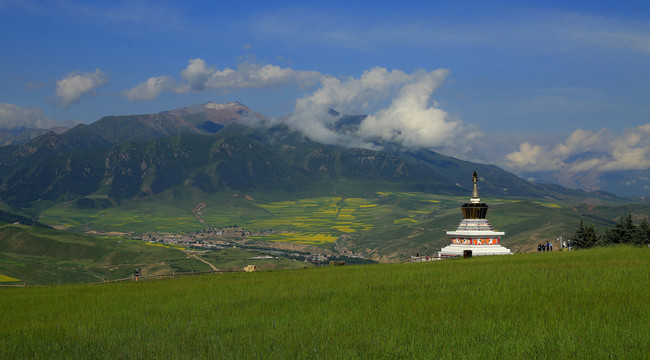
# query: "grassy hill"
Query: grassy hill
{"points": [[563, 305], [36, 255], [44, 256]]}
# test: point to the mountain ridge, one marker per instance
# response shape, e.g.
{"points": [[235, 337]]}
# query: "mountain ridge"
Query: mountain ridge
{"points": [[131, 156]]}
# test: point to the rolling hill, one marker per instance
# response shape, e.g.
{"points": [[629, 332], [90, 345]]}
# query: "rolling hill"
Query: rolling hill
{"points": [[40, 256]]}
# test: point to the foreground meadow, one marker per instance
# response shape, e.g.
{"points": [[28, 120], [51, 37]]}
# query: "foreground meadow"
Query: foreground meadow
{"points": [[583, 304]]}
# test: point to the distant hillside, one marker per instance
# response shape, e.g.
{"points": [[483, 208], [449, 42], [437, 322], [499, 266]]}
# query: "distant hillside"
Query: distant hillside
{"points": [[114, 130], [628, 183], [21, 136], [10, 218], [209, 147], [36, 255], [236, 159], [44, 256]]}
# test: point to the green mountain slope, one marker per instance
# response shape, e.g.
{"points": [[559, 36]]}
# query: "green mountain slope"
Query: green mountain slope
{"points": [[238, 159]]}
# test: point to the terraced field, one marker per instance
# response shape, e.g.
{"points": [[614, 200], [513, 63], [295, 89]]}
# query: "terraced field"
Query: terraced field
{"points": [[316, 221], [326, 214], [384, 223], [322, 220]]}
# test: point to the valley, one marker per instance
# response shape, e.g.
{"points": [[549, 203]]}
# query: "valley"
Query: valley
{"points": [[385, 226], [203, 178]]}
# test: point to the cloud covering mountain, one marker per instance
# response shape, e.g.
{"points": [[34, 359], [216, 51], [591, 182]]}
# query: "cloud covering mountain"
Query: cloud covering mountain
{"points": [[583, 150], [13, 116], [400, 110]]}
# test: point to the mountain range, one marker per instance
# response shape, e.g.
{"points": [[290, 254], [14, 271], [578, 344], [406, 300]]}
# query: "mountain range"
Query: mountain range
{"points": [[210, 118], [210, 147], [21, 135]]}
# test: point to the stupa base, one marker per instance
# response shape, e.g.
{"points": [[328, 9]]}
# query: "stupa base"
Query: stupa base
{"points": [[454, 250]]}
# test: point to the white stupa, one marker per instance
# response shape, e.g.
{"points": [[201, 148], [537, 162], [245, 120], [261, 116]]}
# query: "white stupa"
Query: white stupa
{"points": [[474, 232]]}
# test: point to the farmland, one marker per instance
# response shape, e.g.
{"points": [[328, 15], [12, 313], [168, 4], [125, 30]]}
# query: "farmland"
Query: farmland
{"points": [[324, 217], [569, 305], [5, 278], [384, 226]]}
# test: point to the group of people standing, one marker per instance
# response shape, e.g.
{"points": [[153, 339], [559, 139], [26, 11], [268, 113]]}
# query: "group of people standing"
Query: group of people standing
{"points": [[549, 245]]}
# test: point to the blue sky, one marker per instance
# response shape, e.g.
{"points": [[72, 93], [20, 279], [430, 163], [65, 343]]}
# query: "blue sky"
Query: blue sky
{"points": [[528, 73]]}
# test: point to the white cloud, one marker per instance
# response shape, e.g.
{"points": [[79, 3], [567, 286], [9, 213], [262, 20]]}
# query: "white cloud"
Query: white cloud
{"points": [[398, 104], [196, 74], [531, 158], [75, 85], [585, 151], [12, 116], [150, 89], [410, 120], [199, 76]]}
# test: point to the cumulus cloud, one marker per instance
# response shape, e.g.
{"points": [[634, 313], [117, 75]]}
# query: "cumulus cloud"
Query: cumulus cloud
{"points": [[150, 89], [198, 76], [398, 104], [586, 151], [399, 107], [12, 117], [75, 85], [410, 120]]}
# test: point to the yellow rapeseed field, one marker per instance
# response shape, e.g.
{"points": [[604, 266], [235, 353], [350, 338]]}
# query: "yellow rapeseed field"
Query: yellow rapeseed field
{"points": [[5, 278], [301, 237]]}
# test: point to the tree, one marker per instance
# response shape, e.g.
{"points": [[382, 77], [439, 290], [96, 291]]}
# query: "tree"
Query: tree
{"points": [[624, 232], [585, 236], [643, 232]]}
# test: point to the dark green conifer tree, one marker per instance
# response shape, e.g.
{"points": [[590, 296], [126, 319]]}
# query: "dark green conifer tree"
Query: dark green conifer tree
{"points": [[643, 232], [585, 236], [624, 232]]}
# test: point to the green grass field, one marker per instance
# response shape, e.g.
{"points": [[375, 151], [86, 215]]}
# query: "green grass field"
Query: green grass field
{"points": [[236, 259], [590, 304]]}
